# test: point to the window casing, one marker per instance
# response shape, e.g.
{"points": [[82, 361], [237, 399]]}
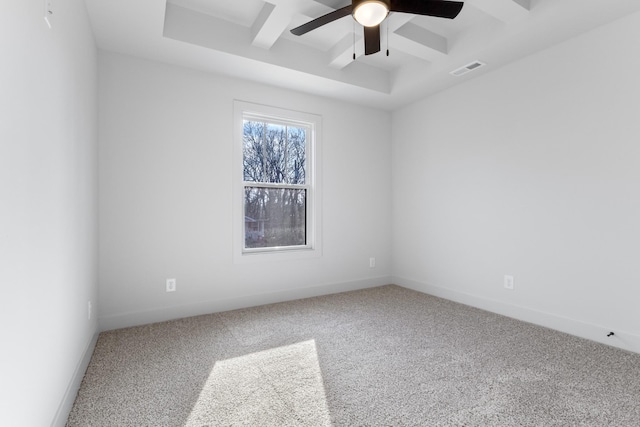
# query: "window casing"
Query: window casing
{"points": [[277, 193]]}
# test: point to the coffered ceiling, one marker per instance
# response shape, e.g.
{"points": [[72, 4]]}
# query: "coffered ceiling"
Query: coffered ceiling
{"points": [[251, 39]]}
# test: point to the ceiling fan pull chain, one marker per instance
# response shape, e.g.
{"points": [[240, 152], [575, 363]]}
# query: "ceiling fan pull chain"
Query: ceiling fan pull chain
{"points": [[354, 40], [387, 24]]}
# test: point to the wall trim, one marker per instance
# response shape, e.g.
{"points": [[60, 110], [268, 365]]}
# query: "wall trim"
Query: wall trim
{"points": [[593, 332], [60, 419], [143, 317]]}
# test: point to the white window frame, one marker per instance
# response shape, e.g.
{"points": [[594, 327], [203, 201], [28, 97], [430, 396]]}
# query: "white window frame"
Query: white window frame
{"points": [[313, 122]]}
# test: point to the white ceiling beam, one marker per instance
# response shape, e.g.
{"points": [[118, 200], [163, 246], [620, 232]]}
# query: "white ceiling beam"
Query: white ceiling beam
{"points": [[419, 42], [269, 25], [504, 10], [286, 58], [423, 36], [341, 54], [396, 20]]}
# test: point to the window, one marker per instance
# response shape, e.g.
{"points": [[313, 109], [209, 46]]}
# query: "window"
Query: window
{"points": [[276, 153]]}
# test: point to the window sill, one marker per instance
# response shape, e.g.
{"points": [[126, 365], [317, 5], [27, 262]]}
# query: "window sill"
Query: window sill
{"points": [[249, 257]]}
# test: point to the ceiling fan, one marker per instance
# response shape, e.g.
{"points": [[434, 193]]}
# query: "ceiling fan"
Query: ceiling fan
{"points": [[370, 13]]}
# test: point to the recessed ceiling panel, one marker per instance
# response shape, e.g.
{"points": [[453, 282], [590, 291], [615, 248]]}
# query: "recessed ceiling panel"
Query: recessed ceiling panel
{"points": [[239, 12], [216, 35]]}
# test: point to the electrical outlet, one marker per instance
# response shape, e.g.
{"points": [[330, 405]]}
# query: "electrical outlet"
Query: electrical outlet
{"points": [[89, 310], [508, 282], [171, 285], [372, 262]]}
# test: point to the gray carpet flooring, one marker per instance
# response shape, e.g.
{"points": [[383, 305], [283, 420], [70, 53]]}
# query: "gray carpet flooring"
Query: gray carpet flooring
{"points": [[386, 356]]}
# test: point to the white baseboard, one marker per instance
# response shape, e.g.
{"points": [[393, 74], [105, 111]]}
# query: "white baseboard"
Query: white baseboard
{"points": [[60, 420], [124, 320], [593, 332]]}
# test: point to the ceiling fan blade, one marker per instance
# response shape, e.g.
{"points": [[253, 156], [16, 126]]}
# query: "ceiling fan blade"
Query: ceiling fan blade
{"points": [[371, 40], [437, 8], [323, 20]]}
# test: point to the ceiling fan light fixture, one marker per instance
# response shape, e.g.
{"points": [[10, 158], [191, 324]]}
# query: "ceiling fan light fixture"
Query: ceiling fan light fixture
{"points": [[370, 12]]}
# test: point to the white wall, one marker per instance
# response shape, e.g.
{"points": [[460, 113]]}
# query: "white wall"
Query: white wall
{"points": [[166, 192], [532, 170], [48, 208]]}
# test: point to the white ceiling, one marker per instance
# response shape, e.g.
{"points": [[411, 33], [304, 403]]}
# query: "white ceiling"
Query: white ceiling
{"points": [[251, 39]]}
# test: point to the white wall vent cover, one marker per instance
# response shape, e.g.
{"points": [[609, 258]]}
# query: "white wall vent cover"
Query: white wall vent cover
{"points": [[467, 68]]}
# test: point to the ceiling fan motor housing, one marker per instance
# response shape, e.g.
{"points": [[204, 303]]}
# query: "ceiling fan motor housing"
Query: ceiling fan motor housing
{"points": [[370, 12]]}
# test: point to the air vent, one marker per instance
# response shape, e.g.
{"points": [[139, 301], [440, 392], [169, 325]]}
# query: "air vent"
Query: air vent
{"points": [[467, 68]]}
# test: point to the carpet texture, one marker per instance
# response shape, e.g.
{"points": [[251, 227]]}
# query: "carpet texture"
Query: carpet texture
{"points": [[386, 356]]}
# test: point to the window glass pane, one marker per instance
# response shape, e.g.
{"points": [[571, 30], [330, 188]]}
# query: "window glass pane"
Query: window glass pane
{"points": [[274, 153], [253, 151], [274, 217], [296, 154], [276, 148]]}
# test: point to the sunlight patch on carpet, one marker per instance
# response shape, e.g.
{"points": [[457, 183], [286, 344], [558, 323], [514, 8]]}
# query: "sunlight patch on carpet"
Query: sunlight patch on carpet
{"points": [[280, 386]]}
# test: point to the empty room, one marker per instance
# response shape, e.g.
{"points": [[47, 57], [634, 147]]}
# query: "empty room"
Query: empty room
{"points": [[320, 213]]}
